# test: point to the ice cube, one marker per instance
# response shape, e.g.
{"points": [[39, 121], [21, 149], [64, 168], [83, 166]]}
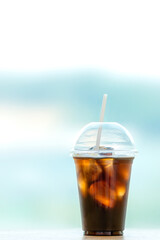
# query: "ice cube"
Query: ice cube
{"points": [[124, 171], [120, 189], [82, 184], [103, 194], [90, 170], [108, 168]]}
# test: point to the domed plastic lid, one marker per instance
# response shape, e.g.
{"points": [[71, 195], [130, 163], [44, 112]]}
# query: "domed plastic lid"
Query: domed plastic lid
{"points": [[115, 141]]}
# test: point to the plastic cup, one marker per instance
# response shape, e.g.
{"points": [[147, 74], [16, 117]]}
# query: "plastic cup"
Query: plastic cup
{"points": [[103, 177]]}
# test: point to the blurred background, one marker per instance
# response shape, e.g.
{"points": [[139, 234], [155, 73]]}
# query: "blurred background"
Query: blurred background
{"points": [[57, 59]]}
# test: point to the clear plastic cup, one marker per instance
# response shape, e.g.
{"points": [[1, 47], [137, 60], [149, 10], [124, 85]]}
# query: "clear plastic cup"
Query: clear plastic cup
{"points": [[103, 176]]}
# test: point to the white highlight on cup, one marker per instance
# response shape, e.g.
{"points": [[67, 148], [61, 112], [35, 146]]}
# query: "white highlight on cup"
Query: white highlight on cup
{"points": [[101, 120]]}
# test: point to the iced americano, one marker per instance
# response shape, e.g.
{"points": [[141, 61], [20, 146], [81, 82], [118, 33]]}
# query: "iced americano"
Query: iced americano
{"points": [[103, 177]]}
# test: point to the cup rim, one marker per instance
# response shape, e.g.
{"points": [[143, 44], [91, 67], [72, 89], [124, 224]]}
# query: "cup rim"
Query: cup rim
{"points": [[104, 154]]}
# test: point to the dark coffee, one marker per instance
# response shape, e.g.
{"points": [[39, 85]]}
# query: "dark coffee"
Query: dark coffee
{"points": [[103, 190]]}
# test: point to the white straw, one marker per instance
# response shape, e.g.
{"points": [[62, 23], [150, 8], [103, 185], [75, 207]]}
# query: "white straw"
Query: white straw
{"points": [[101, 120]]}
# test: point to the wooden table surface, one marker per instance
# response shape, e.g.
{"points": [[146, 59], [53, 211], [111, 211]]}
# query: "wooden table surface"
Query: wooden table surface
{"points": [[77, 234]]}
